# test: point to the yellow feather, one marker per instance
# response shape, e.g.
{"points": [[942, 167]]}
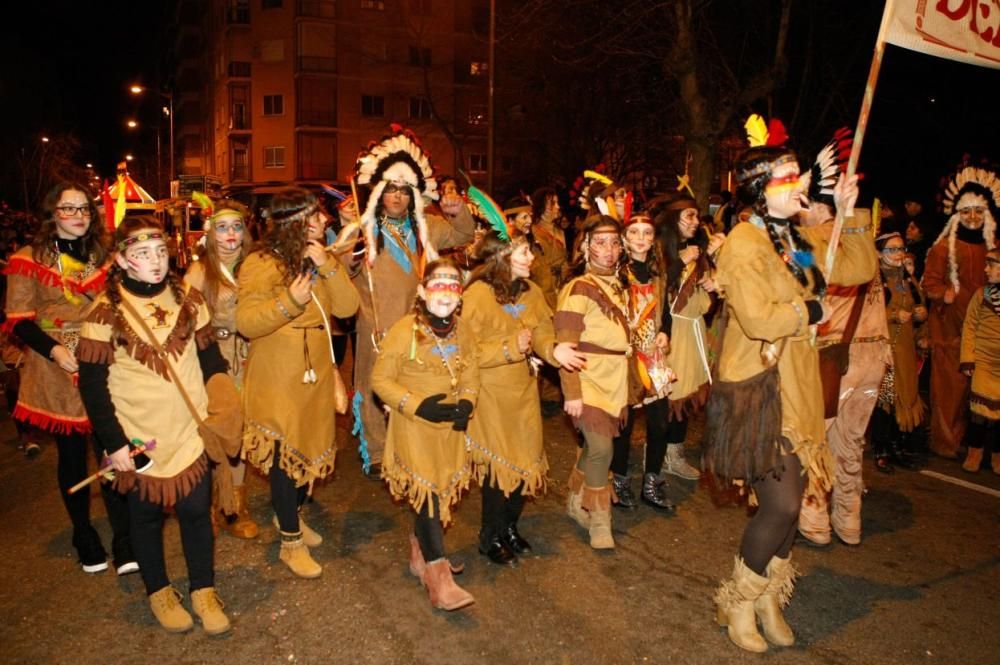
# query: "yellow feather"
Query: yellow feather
{"points": [[594, 175], [876, 217], [756, 130]]}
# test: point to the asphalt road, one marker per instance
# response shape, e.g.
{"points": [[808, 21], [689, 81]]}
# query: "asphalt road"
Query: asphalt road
{"points": [[922, 587]]}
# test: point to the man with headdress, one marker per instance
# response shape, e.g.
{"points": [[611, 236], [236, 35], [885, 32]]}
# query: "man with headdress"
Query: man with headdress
{"points": [[857, 331], [953, 273], [400, 239]]}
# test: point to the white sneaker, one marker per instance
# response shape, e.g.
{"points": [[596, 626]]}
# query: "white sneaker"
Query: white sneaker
{"points": [[127, 568]]}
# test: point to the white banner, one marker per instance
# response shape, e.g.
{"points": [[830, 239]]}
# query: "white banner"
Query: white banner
{"points": [[964, 30]]}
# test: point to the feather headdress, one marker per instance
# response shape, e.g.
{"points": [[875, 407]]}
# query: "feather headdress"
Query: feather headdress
{"points": [[829, 164], [398, 159], [488, 209], [761, 134], [596, 190], [969, 180]]}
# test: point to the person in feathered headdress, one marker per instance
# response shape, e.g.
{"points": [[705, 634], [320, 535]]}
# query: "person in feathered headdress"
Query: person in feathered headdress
{"points": [[400, 237], [861, 349], [953, 272], [764, 418]]}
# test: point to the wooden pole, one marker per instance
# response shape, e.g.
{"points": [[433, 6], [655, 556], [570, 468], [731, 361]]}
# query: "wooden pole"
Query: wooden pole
{"points": [[859, 131]]}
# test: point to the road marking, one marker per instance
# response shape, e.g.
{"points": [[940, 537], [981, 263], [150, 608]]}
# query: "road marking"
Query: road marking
{"points": [[961, 483]]}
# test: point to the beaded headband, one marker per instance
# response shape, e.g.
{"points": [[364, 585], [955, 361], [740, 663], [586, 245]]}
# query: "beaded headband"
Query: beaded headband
{"points": [[761, 169], [454, 287], [444, 275], [139, 237], [296, 216]]}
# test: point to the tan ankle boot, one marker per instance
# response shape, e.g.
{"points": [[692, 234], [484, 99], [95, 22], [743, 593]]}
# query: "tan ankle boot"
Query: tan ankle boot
{"points": [[574, 502], [296, 556], [167, 608], [995, 463], [973, 460], [441, 587], [417, 563], [310, 537], [780, 582], [208, 606], [597, 501], [734, 601], [244, 526]]}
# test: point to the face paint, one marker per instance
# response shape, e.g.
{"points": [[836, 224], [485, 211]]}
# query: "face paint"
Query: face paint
{"points": [[604, 248], [639, 239], [145, 260], [784, 192], [229, 231], [442, 293], [993, 269]]}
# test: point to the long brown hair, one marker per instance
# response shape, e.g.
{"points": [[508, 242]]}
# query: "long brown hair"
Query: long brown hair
{"points": [[286, 233], [94, 240], [495, 268], [208, 256]]}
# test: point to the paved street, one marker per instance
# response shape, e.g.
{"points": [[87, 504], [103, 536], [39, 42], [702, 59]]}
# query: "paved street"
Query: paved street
{"points": [[923, 587]]}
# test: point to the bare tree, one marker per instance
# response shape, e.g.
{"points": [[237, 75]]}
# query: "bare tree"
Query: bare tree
{"points": [[45, 162]]}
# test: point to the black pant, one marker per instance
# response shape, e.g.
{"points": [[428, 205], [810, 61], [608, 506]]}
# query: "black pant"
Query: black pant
{"points": [[429, 530], [885, 432], [499, 511], [71, 469], [982, 432], [193, 513], [657, 438], [286, 498]]}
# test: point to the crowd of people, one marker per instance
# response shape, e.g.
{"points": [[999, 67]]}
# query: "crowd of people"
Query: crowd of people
{"points": [[470, 319]]}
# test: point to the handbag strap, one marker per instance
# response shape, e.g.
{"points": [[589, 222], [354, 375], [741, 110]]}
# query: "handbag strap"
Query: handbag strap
{"points": [[852, 320], [165, 357]]}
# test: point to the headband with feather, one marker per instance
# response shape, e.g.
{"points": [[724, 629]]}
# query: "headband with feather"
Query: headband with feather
{"points": [[829, 164]]}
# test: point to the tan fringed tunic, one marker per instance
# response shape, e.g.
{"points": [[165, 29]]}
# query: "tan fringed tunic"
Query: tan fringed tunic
{"points": [[424, 459], [767, 307], [232, 345], [505, 437], [690, 345], [906, 402], [57, 303], [147, 404], [285, 340], [549, 264], [981, 349]]}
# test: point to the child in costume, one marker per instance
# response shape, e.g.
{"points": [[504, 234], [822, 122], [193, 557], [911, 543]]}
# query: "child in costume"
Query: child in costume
{"points": [[593, 315], [981, 362], [227, 242], [428, 376], [289, 287], [132, 395], [50, 285]]}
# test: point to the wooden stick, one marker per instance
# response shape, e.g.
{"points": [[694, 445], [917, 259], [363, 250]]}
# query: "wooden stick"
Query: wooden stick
{"points": [[106, 469], [377, 332], [859, 131]]}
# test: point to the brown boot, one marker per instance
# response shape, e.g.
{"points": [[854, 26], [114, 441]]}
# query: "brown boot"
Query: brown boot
{"points": [[441, 587], [973, 460], [168, 610], [734, 601], [597, 502], [574, 503], [995, 463], [296, 556], [243, 526], [310, 537], [208, 606], [780, 582], [417, 563]]}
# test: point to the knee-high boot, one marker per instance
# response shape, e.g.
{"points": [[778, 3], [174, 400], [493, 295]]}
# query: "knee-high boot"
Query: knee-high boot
{"points": [[780, 583], [734, 601]]}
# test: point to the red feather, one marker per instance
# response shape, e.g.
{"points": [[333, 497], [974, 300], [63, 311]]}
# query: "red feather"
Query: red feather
{"points": [[776, 134]]}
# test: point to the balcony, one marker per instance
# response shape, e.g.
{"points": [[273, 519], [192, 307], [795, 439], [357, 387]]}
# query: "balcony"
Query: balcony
{"points": [[317, 117], [318, 9], [312, 63], [239, 173]]}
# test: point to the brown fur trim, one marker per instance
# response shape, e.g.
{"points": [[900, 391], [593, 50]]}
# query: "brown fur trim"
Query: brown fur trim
{"points": [[92, 351], [596, 498], [587, 289], [204, 337], [139, 349], [102, 313], [743, 436], [685, 407], [984, 401], [600, 422], [165, 492]]}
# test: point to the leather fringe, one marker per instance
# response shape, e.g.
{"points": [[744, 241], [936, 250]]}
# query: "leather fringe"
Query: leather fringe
{"points": [[600, 422], [487, 468], [51, 422], [258, 451], [685, 407], [406, 486], [92, 351], [164, 492]]}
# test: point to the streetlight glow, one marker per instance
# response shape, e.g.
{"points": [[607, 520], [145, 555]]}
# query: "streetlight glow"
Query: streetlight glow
{"points": [[132, 124], [129, 158], [136, 89], [45, 139], [89, 165]]}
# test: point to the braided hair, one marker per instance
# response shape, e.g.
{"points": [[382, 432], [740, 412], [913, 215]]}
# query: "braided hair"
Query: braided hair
{"points": [[753, 171]]}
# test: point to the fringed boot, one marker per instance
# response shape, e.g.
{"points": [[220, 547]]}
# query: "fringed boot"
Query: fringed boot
{"points": [[243, 526], [444, 593], [597, 501], [574, 502], [296, 556], [780, 583], [734, 602]]}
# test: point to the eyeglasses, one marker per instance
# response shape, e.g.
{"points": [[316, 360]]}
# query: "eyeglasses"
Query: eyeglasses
{"points": [[893, 250], [972, 210], [69, 211], [396, 189]]}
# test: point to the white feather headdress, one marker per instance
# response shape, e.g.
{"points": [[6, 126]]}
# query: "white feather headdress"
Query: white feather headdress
{"points": [[398, 159], [976, 181]]}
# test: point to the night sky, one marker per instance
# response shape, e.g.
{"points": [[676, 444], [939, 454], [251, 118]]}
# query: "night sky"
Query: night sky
{"points": [[66, 68]]}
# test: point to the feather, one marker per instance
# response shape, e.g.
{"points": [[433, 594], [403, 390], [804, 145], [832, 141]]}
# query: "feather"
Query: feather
{"points": [[490, 211], [203, 202], [756, 131], [776, 134], [876, 217], [594, 175]]}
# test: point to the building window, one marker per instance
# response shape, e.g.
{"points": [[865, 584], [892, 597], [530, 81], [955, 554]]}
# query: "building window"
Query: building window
{"points": [[270, 4], [372, 106], [238, 11], [477, 163], [317, 47], [239, 101], [373, 4], [274, 104], [317, 102], [240, 160], [239, 69], [420, 56], [479, 68], [420, 7], [274, 156], [318, 8], [420, 108], [478, 114], [317, 156]]}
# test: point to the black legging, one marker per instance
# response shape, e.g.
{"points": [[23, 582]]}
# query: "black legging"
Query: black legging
{"points": [[429, 531], [286, 498], [771, 531], [193, 513], [499, 511], [657, 438], [982, 432], [885, 432], [71, 469]]}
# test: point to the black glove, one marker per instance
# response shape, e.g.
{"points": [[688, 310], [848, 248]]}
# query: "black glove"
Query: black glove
{"points": [[815, 309], [432, 410], [464, 410]]}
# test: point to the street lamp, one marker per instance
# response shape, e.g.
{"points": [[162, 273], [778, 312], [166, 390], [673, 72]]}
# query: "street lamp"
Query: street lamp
{"points": [[132, 124], [129, 158], [136, 89], [45, 139]]}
